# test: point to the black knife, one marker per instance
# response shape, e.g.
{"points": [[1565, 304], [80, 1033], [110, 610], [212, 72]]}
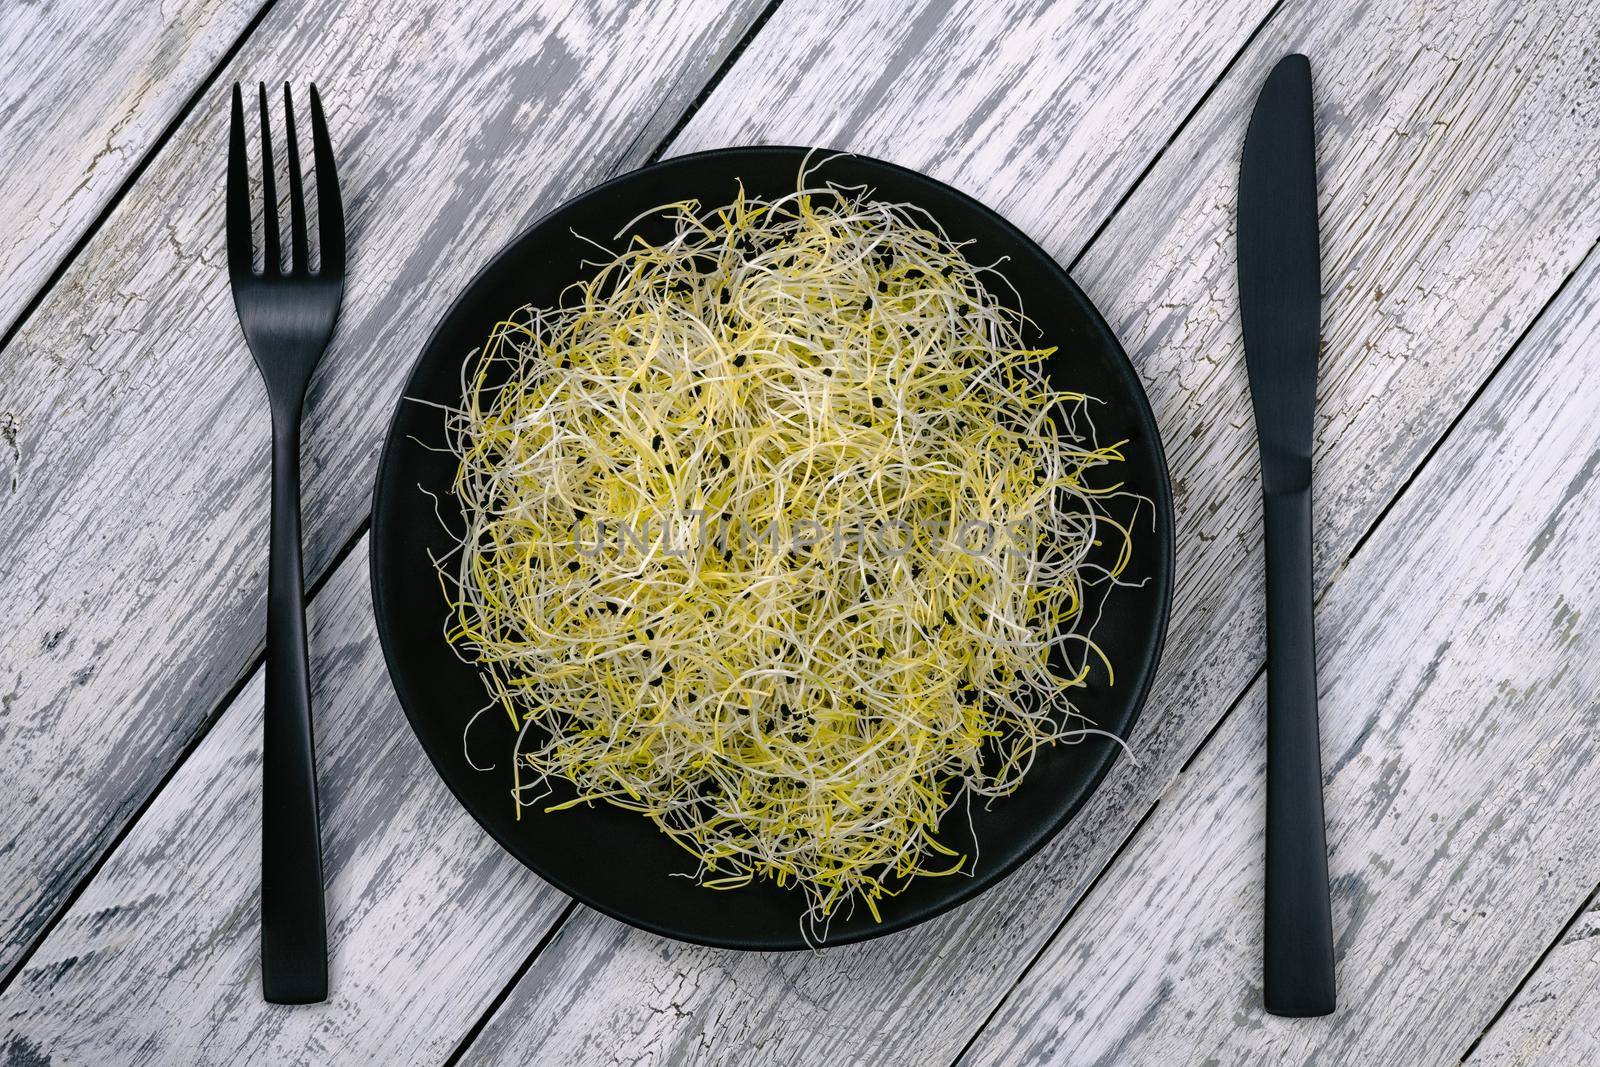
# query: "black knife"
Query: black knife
{"points": [[1280, 292]]}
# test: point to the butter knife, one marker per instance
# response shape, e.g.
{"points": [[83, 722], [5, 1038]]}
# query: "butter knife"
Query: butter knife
{"points": [[1280, 291]]}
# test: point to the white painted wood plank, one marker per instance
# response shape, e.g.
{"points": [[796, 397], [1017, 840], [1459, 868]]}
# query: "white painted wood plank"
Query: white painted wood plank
{"points": [[1458, 190], [1459, 662], [1555, 1018], [87, 932], [1048, 111], [738, 1018], [158, 961], [66, 941], [85, 90], [135, 547]]}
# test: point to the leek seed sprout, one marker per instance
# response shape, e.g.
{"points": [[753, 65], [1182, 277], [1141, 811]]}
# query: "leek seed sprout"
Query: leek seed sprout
{"points": [[700, 573]]}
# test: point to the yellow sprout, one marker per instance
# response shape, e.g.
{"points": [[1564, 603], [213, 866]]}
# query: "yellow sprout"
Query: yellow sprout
{"points": [[714, 567]]}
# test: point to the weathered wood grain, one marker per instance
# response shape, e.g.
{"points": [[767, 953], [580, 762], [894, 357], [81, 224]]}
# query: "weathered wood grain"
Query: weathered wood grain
{"points": [[36, 1023], [85, 91], [1048, 111], [915, 997], [1555, 1017], [135, 544], [158, 961], [1459, 661], [1458, 190]]}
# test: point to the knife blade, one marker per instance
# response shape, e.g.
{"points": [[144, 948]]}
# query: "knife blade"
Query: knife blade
{"points": [[1280, 293]]}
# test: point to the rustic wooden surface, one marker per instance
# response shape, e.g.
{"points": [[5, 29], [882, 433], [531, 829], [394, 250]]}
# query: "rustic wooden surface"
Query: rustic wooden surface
{"points": [[1556, 1016], [1457, 532], [129, 384], [88, 91], [1463, 796], [428, 919]]}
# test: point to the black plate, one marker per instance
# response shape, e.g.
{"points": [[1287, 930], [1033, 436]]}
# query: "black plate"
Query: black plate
{"points": [[618, 862]]}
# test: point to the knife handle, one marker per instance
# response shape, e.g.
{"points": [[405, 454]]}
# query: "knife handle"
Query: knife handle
{"points": [[1298, 974]]}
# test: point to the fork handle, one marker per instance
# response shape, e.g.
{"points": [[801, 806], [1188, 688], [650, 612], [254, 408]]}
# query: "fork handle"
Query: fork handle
{"points": [[294, 937]]}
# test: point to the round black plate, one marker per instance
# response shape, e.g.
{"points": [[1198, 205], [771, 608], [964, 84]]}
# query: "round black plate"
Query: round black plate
{"points": [[618, 862]]}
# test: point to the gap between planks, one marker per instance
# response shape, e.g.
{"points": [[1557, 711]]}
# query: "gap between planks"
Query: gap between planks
{"points": [[728, 63], [128, 183], [1538, 964]]}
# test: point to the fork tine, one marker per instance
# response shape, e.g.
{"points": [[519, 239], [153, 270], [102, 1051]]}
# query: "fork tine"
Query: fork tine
{"points": [[238, 224], [269, 193], [298, 254], [330, 209]]}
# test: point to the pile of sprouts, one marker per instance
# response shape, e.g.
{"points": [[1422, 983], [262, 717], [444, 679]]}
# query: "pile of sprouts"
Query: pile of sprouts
{"points": [[778, 534]]}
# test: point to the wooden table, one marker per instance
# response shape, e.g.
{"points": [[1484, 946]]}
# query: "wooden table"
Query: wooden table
{"points": [[1457, 525]]}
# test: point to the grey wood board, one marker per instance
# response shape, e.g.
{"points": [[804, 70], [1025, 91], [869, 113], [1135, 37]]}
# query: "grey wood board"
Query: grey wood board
{"points": [[1458, 665], [1048, 112], [85, 90], [428, 919], [1458, 185], [135, 553], [738, 1005], [1553, 1018], [232, 519], [66, 941]]}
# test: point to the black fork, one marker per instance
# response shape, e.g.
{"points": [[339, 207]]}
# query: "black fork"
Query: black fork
{"points": [[288, 317]]}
